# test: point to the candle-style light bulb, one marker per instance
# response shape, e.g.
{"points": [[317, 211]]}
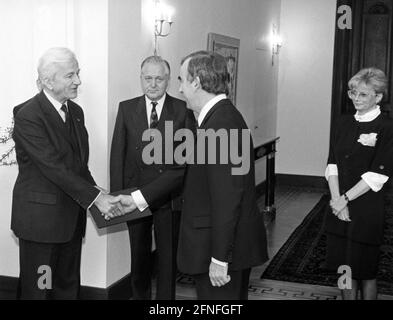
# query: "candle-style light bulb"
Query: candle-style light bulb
{"points": [[170, 14]]}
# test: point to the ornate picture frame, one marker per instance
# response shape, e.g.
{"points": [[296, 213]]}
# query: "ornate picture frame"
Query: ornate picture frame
{"points": [[229, 48]]}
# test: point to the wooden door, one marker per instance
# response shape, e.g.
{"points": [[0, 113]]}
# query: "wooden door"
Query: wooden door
{"points": [[367, 44]]}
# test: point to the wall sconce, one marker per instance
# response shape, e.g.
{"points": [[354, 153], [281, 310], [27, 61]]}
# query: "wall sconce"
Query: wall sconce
{"points": [[276, 43], [162, 23]]}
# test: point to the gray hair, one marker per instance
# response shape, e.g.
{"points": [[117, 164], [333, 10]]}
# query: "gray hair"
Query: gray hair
{"points": [[48, 61], [373, 77], [157, 60]]}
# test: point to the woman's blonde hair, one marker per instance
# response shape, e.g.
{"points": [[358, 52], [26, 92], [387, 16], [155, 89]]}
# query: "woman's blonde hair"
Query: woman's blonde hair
{"points": [[373, 77]]}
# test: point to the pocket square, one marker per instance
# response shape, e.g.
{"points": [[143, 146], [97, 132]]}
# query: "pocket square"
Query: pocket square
{"points": [[369, 139]]}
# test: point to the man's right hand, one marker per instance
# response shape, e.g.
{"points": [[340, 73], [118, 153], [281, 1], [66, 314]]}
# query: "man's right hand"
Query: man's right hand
{"points": [[126, 201], [104, 191], [218, 275], [108, 207]]}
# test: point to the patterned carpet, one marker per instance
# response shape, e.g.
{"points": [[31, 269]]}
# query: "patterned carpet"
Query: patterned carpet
{"points": [[301, 259], [267, 290]]}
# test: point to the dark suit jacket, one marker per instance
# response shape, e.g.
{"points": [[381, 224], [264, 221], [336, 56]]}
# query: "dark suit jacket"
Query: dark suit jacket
{"points": [[220, 217], [157, 182], [54, 182]]}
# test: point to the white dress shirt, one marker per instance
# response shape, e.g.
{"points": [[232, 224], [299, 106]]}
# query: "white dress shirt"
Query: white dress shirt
{"points": [[57, 105], [206, 108], [374, 180]]}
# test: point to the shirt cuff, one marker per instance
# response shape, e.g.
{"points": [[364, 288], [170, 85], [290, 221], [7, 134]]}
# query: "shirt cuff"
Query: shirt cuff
{"points": [[101, 189], [375, 180], [139, 200], [331, 170], [221, 263], [94, 200]]}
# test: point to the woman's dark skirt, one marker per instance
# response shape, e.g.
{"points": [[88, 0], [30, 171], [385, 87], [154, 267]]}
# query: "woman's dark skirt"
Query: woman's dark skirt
{"points": [[362, 258]]}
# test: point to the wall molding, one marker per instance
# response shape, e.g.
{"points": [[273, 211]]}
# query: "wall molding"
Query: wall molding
{"points": [[295, 180], [8, 287]]}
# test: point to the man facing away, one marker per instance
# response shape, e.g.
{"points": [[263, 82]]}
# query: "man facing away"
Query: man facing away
{"points": [[222, 234], [155, 183], [54, 186]]}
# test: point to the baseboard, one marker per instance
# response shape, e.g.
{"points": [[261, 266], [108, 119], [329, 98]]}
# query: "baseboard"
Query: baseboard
{"points": [[8, 287], [295, 180], [120, 290]]}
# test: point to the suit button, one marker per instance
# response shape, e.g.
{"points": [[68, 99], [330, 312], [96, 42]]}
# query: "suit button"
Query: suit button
{"points": [[381, 167], [346, 156], [160, 171], [136, 148]]}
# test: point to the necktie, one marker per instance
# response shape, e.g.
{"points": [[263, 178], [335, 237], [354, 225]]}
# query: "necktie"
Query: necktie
{"points": [[67, 116], [153, 116]]}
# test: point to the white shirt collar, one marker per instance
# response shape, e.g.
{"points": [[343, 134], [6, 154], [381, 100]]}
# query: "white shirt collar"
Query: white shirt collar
{"points": [[159, 106], [56, 104], [206, 108], [369, 116]]}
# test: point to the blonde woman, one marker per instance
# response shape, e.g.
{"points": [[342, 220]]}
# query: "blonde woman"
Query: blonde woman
{"points": [[359, 165]]}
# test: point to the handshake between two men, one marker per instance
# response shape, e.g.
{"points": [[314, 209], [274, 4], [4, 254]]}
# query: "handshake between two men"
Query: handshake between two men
{"points": [[114, 206]]}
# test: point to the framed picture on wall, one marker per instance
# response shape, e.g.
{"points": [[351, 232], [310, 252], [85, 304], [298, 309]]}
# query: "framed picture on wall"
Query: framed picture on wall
{"points": [[229, 48]]}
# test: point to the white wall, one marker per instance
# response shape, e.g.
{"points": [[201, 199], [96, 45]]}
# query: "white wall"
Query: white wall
{"points": [[35, 27], [264, 123], [9, 263], [24, 29], [125, 56], [91, 46], [305, 85]]}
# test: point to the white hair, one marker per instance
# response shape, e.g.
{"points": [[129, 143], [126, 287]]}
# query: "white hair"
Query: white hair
{"points": [[48, 61]]}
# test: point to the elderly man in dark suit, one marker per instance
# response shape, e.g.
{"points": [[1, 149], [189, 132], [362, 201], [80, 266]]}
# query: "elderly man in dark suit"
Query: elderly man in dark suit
{"points": [[222, 234], [54, 186], [156, 183]]}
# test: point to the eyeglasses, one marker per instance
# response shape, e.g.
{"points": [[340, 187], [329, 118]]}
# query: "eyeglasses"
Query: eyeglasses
{"points": [[353, 94]]}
